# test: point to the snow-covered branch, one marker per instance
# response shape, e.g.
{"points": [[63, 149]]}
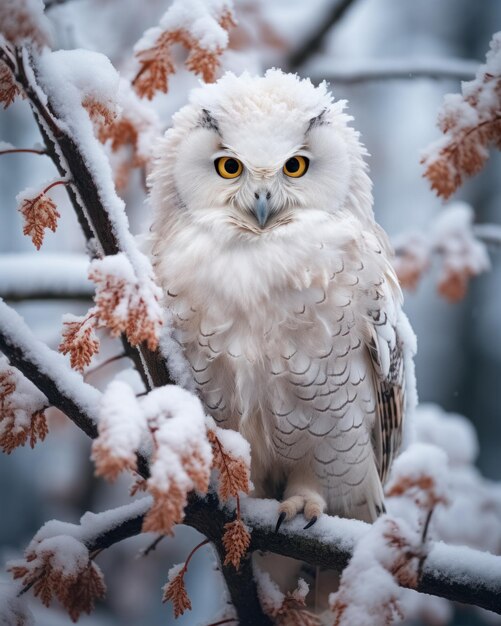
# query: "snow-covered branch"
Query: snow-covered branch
{"points": [[453, 572], [458, 244], [359, 71], [68, 135], [47, 277], [49, 371]]}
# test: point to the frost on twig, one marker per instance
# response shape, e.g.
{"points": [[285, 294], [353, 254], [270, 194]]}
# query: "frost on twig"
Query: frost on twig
{"points": [[471, 123], [286, 609], [169, 420], [22, 406], [60, 567], [452, 240], [123, 304], [231, 454], [200, 26]]}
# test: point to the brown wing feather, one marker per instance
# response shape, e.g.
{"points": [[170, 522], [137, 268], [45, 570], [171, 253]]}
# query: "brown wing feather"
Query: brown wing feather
{"points": [[390, 395]]}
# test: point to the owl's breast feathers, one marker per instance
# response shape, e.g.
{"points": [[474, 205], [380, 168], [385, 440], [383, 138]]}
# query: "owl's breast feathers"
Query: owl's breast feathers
{"points": [[295, 345]]}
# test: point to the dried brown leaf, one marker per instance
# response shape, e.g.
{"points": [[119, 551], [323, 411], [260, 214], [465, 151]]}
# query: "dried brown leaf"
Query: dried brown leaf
{"points": [[80, 340], [39, 213], [175, 591], [14, 434], [8, 87], [236, 541], [234, 476], [167, 510]]}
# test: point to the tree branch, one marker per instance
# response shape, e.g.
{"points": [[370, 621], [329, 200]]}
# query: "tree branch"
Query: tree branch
{"points": [[33, 276], [316, 39], [490, 234], [456, 573], [354, 72], [88, 203]]}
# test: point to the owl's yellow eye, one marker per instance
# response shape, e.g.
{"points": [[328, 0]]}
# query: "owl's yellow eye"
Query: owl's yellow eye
{"points": [[296, 166], [228, 167]]}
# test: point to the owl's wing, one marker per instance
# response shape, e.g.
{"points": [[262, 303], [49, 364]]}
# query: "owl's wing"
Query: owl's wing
{"points": [[386, 351]]}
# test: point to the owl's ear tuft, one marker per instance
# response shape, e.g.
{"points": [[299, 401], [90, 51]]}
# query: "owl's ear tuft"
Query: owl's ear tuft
{"points": [[209, 122], [318, 120]]}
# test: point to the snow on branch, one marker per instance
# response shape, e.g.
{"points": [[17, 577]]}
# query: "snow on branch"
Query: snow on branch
{"points": [[285, 608], [48, 371], [58, 562], [200, 26], [131, 135], [471, 123], [360, 71], [454, 240], [64, 88], [22, 406], [44, 277], [123, 305], [168, 420]]}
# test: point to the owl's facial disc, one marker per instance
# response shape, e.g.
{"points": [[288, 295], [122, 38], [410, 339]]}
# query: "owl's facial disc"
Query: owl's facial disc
{"points": [[259, 197]]}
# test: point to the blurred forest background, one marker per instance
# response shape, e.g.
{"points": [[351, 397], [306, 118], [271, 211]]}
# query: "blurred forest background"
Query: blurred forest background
{"points": [[458, 363]]}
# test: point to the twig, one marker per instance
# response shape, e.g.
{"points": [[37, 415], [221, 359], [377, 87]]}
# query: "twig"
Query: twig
{"points": [[152, 546], [315, 41], [371, 70], [424, 537], [22, 150], [112, 359], [490, 234]]}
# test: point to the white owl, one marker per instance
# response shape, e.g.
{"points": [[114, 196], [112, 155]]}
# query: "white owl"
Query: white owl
{"points": [[282, 290]]}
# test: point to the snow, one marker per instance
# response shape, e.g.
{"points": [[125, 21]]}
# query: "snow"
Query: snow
{"points": [[232, 441], [93, 525], [463, 565], [172, 352], [25, 19], [452, 231], [72, 76], [26, 398], [14, 609], [121, 423], [200, 18], [368, 593], [358, 70], [54, 365], [452, 432], [36, 275], [178, 421], [420, 461]]}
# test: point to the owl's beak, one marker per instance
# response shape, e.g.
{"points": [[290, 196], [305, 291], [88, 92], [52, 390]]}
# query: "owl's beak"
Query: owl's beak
{"points": [[262, 207]]}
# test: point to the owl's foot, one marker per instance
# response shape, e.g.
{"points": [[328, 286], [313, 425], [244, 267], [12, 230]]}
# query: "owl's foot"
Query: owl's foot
{"points": [[311, 505]]}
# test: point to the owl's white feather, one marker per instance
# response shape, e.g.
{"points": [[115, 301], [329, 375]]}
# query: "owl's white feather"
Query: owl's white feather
{"points": [[291, 327]]}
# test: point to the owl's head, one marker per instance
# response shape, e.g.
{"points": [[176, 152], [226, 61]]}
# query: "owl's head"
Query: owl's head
{"points": [[251, 155]]}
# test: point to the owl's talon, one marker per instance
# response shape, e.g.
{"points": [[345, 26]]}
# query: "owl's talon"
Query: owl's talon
{"points": [[280, 520], [311, 522]]}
